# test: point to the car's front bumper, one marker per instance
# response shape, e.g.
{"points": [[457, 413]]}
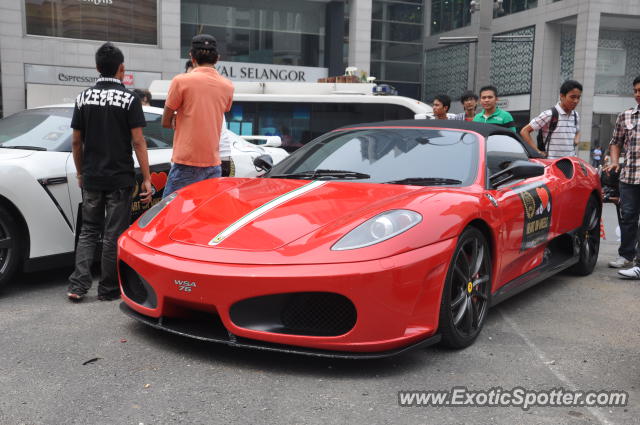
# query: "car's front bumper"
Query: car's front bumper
{"points": [[395, 300]]}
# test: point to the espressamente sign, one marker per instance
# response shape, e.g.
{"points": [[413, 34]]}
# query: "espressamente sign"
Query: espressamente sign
{"points": [[84, 77]]}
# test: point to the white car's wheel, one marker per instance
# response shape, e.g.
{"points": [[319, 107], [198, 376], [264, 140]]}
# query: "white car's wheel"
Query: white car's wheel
{"points": [[10, 246]]}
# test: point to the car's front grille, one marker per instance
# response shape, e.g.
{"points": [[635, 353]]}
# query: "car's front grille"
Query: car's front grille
{"points": [[298, 313]]}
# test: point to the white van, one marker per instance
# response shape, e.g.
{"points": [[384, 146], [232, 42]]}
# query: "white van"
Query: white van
{"points": [[300, 112]]}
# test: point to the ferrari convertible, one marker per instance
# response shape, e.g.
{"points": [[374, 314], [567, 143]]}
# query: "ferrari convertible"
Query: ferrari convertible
{"points": [[366, 242]]}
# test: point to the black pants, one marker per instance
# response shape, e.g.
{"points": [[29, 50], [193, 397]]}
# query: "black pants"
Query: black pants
{"points": [[105, 213]]}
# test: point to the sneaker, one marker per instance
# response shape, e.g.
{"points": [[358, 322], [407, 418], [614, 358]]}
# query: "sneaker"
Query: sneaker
{"points": [[76, 298], [632, 273], [620, 263]]}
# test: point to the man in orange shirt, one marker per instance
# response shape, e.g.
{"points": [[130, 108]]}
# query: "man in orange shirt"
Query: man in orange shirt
{"points": [[199, 100]]}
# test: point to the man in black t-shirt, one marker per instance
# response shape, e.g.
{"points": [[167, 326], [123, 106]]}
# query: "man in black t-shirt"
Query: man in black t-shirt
{"points": [[107, 118]]}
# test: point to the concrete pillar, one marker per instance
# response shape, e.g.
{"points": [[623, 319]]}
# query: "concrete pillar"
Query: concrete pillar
{"points": [[11, 55], [545, 82], [360, 34], [483, 47], [586, 56]]}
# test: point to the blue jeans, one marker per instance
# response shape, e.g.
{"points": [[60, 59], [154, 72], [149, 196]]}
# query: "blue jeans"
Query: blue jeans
{"points": [[183, 175], [629, 214]]}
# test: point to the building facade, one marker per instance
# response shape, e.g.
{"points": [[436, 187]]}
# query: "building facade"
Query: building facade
{"points": [[530, 47], [524, 47]]}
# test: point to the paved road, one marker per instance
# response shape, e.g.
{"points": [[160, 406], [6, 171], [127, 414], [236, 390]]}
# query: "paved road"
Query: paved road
{"points": [[569, 332]]}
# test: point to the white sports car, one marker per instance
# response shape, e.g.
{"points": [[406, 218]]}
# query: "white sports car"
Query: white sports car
{"points": [[40, 199]]}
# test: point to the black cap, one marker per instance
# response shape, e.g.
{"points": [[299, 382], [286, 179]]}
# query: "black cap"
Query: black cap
{"points": [[204, 42]]}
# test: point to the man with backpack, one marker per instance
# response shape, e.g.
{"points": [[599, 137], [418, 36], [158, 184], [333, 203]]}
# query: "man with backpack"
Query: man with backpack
{"points": [[559, 127]]}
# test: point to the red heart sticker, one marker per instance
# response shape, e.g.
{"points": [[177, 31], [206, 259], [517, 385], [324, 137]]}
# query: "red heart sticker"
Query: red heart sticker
{"points": [[544, 197], [159, 180]]}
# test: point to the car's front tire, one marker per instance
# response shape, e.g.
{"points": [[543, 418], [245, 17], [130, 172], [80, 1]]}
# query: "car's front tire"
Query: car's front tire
{"points": [[588, 239], [10, 245], [465, 297]]}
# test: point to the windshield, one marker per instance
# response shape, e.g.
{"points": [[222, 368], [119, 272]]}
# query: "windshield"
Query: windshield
{"points": [[42, 129], [387, 155]]}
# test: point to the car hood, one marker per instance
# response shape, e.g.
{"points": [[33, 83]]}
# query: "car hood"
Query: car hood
{"points": [[281, 221], [266, 214], [8, 154]]}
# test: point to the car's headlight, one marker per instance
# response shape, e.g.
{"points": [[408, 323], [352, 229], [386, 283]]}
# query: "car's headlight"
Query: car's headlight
{"points": [[155, 210], [379, 228]]}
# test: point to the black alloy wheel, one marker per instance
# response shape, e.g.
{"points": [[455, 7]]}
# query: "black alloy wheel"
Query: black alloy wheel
{"points": [[9, 246], [465, 298], [588, 239]]}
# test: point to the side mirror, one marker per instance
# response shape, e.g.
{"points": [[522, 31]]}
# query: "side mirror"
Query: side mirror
{"points": [[517, 170], [263, 163]]}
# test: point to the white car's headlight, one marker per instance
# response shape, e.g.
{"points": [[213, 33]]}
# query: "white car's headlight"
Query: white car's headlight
{"points": [[155, 210], [377, 229]]}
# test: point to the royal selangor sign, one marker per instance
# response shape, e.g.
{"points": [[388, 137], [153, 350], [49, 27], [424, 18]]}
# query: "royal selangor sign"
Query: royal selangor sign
{"points": [[242, 71], [84, 77]]}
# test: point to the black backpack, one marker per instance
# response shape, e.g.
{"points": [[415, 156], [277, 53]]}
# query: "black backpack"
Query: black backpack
{"points": [[543, 142]]}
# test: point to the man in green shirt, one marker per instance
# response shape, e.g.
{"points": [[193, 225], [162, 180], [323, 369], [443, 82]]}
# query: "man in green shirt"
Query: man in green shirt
{"points": [[491, 114]]}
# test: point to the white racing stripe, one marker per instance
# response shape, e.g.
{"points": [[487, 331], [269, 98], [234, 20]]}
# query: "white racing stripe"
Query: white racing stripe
{"points": [[274, 203]]}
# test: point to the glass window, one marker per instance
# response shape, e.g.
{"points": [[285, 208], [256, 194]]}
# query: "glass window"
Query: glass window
{"points": [[447, 15], [298, 123], [38, 129], [156, 136], [502, 150], [392, 155], [404, 13], [514, 6], [283, 32], [404, 32], [377, 10], [401, 71], [118, 21], [396, 51]]}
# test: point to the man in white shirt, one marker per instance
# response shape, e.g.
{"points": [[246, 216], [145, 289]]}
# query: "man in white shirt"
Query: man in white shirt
{"points": [[566, 135]]}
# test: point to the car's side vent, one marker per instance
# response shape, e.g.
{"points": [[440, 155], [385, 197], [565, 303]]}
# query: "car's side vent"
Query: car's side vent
{"points": [[566, 166]]}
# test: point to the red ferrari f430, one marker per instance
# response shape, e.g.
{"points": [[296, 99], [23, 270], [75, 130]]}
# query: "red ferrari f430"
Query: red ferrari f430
{"points": [[367, 241]]}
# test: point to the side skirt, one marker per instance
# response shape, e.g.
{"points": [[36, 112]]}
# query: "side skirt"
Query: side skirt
{"points": [[49, 262], [562, 253]]}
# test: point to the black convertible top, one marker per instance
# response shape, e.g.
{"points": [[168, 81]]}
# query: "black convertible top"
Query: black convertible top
{"points": [[483, 129]]}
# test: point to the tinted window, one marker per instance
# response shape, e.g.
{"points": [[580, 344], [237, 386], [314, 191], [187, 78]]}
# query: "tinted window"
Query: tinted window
{"points": [[390, 154], [502, 151], [156, 136], [298, 123], [47, 128]]}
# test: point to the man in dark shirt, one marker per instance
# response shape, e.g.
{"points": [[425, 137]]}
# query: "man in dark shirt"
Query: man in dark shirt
{"points": [[107, 118]]}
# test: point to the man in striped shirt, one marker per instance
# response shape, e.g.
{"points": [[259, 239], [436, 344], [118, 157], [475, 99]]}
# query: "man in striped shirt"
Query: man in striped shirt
{"points": [[626, 136], [566, 135]]}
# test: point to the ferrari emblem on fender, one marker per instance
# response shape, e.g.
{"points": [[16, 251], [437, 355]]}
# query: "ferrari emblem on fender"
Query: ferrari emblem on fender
{"points": [[469, 287]]}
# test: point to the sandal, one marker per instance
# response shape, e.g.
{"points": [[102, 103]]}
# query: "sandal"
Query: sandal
{"points": [[74, 297]]}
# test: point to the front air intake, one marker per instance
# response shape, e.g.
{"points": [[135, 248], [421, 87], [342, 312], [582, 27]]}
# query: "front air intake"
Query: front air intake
{"points": [[135, 287], [298, 313]]}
